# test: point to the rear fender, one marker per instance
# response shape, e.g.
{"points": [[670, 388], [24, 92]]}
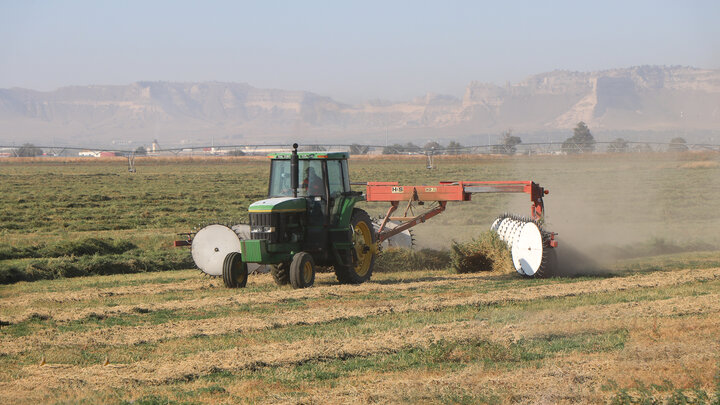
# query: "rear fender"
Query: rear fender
{"points": [[347, 204]]}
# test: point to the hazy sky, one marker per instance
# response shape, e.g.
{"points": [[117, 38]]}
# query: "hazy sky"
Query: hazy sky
{"points": [[351, 51]]}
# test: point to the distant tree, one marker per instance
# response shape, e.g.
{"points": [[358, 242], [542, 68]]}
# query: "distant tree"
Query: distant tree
{"points": [[432, 145], [453, 148], [677, 145], [356, 149], [619, 145], [643, 148], [582, 140], [29, 150], [412, 148], [398, 148], [236, 152], [141, 151], [508, 143], [393, 149]]}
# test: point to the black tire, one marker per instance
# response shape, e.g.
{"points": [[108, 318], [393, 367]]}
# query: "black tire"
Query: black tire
{"points": [[235, 272], [302, 270], [363, 259], [281, 273]]}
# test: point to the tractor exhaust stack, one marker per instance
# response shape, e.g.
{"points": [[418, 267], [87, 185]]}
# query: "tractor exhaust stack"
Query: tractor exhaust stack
{"points": [[294, 170]]}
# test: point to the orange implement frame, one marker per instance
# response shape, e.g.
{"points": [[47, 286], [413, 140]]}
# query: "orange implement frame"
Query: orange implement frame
{"points": [[445, 191]]}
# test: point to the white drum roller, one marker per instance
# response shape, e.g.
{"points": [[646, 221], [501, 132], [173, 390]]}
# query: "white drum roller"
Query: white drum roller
{"points": [[526, 243], [212, 244], [508, 229], [527, 250], [496, 224]]}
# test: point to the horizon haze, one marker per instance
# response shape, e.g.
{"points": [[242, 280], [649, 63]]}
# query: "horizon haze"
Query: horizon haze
{"points": [[642, 103], [352, 52]]}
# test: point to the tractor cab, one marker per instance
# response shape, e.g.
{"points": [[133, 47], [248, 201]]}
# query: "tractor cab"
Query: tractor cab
{"points": [[318, 181], [318, 175]]}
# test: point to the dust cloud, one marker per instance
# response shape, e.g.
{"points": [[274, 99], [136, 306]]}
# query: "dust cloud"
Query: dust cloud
{"points": [[605, 208]]}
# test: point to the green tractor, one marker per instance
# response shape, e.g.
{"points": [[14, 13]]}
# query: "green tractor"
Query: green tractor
{"points": [[309, 219]]}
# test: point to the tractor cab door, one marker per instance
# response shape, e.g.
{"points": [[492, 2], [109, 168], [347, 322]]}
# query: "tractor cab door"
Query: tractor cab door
{"points": [[338, 184], [324, 183], [312, 181]]}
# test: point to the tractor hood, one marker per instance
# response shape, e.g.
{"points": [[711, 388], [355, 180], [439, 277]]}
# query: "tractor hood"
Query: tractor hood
{"points": [[279, 204]]}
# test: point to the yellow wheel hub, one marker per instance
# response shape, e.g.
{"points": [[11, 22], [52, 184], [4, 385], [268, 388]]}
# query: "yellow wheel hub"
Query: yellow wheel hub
{"points": [[362, 238], [307, 272]]}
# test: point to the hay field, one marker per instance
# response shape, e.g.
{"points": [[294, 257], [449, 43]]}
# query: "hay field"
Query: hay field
{"points": [[637, 321]]}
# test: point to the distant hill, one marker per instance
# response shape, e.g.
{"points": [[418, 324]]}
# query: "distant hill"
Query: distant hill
{"points": [[641, 99]]}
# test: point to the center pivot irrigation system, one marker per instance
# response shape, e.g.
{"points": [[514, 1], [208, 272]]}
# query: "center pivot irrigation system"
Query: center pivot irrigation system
{"points": [[309, 218]]}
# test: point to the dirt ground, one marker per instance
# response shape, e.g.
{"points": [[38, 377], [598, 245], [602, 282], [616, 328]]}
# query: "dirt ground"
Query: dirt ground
{"points": [[670, 336]]}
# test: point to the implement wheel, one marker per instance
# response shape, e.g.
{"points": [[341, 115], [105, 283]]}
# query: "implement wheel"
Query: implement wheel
{"points": [[281, 273], [302, 270], [363, 254], [234, 272]]}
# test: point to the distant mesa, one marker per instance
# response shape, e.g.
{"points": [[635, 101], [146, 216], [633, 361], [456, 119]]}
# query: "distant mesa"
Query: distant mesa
{"points": [[643, 98]]}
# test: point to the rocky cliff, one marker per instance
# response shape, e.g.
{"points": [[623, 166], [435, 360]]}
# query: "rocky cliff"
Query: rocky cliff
{"points": [[645, 98]]}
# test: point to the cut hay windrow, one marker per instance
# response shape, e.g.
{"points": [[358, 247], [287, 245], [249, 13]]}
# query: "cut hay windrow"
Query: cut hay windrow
{"points": [[571, 378], [266, 297], [131, 335], [60, 297], [128, 335], [281, 354], [513, 294]]}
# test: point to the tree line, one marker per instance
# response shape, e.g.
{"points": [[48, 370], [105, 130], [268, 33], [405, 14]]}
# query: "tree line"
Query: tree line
{"points": [[582, 141]]}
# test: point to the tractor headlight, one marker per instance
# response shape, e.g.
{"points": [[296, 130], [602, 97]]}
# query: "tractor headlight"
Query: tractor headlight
{"points": [[262, 229]]}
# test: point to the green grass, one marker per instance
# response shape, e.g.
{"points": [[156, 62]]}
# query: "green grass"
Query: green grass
{"points": [[665, 393]]}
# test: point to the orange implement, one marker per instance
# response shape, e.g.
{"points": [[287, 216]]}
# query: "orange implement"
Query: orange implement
{"points": [[445, 191]]}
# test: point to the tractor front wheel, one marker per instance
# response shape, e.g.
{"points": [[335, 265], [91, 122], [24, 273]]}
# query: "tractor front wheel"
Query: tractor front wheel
{"points": [[234, 272], [362, 257], [281, 273], [302, 270]]}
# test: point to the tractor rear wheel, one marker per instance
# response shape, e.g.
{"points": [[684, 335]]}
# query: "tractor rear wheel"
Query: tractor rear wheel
{"points": [[281, 273], [234, 272], [302, 270], [363, 254]]}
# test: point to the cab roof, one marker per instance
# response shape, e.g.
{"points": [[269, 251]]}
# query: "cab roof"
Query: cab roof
{"points": [[311, 155]]}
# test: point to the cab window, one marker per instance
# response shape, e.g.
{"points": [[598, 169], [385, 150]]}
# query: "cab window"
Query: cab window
{"points": [[280, 179], [346, 175], [311, 178], [336, 178]]}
